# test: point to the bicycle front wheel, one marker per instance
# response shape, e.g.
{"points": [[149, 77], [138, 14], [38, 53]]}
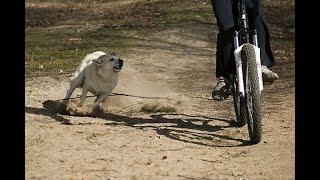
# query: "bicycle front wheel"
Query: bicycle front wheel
{"points": [[252, 93]]}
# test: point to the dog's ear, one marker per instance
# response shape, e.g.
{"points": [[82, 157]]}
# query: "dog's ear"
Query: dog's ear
{"points": [[100, 60], [96, 62]]}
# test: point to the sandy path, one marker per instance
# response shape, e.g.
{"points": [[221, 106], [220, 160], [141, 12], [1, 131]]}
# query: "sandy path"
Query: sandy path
{"points": [[197, 141]]}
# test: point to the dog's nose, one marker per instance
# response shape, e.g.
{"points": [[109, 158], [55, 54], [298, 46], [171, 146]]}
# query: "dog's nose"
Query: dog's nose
{"points": [[120, 63]]}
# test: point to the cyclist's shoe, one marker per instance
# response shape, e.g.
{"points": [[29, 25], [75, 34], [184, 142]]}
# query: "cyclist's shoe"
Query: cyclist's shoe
{"points": [[268, 75], [222, 90]]}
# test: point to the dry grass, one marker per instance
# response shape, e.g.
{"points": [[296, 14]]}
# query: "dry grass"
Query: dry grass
{"points": [[156, 108]]}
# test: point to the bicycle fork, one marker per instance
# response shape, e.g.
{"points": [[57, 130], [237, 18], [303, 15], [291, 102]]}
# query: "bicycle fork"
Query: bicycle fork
{"points": [[238, 61]]}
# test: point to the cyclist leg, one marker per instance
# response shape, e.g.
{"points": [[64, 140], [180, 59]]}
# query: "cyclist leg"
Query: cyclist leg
{"points": [[224, 13], [256, 18]]}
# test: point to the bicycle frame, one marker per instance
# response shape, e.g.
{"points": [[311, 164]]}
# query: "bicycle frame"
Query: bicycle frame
{"points": [[241, 37]]}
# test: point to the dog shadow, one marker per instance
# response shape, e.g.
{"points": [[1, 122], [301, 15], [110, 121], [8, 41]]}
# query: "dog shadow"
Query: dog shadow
{"points": [[194, 129]]}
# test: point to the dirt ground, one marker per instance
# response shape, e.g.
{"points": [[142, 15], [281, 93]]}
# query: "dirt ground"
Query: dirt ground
{"points": [[172, 68]]}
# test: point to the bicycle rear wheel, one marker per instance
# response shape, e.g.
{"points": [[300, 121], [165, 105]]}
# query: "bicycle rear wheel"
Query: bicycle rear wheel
{"points": [[252, 93]]}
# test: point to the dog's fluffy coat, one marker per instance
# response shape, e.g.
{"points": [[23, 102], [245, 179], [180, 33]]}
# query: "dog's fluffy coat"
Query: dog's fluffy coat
{"points": [[98, 74]]}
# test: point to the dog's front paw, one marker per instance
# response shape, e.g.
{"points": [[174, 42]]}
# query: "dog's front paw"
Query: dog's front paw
{"points": [[96, 111]]}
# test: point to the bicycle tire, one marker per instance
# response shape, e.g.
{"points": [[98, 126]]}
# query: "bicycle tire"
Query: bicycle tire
{"points": [[252, 94], [238, 104]]}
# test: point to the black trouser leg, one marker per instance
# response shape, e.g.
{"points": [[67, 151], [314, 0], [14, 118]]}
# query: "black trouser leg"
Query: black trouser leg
{"points": [[224, 15]]}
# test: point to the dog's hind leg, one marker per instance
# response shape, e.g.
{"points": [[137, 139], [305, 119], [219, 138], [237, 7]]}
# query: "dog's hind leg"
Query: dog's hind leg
{"points": [[69, 93], [83, 95], [75, 83]]}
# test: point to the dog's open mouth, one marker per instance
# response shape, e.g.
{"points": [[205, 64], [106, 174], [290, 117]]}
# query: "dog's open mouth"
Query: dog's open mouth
{"points": [[116, 69]]}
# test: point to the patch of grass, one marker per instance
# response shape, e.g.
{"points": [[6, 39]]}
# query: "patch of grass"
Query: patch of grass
{"points": [[49, 16], [57, 51], [159, 14], [45, 68], [62, 48], [156, 108]]}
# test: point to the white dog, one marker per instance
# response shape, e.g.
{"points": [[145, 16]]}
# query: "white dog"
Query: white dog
{"points": [[98, 74]]}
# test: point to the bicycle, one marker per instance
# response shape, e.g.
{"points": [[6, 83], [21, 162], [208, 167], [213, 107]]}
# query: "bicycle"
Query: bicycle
{"points": [[247, 84]]}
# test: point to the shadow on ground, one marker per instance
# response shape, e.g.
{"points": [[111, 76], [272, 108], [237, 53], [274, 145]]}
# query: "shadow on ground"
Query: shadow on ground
{"points": [[194, 129]]}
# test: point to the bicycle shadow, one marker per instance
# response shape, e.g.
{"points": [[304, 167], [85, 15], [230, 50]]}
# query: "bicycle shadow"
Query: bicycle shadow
{"points": [[192, 129]]}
